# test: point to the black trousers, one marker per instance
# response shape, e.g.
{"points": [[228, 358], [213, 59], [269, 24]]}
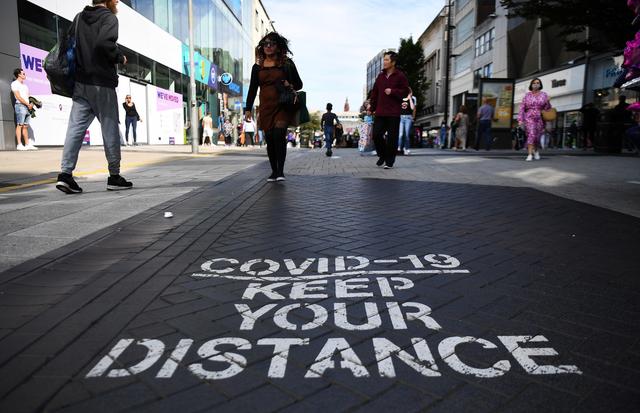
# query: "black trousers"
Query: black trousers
{"points": [[276, 149], [386, 148]]}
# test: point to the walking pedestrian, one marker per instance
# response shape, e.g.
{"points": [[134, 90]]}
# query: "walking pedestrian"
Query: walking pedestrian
{"points": [[407, 116], [131, 119], [94, 95], [389, 88], [249, 131], [328, 123], [275, 74], [207, 129], [530, 117], [590, 117], [227, 131], [486, 113], [442, 137], [462, 128], [22, 108]]}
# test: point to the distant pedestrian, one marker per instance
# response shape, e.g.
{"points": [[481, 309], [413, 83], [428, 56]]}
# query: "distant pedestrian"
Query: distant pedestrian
{"points": [[274, 73], [131, 119], [328, 125], [407, 116], [22, 108], [462, 128], [442, 137], [590, 118], [249, 131], [486, 114], [94, 95], [227, 132], [207, 129], [530, 117], [390, 87]]}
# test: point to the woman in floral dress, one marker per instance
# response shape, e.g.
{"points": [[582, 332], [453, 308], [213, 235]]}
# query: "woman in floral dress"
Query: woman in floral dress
{"points": [[530, 117]]}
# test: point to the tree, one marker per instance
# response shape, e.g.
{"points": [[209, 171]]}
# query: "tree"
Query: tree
{"points": [[411, 61], [609, 21], [313, 124]]}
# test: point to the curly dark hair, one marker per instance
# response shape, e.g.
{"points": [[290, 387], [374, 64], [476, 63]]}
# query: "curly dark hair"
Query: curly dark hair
{"points": [[283, 48]]}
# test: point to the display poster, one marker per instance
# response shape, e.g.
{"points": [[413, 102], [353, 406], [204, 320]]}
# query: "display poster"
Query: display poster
{"points": [[49, 126], [499, 94], [166, 116]]}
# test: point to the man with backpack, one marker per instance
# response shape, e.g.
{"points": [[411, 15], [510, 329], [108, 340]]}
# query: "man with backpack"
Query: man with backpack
{"points": [[94, 94]]}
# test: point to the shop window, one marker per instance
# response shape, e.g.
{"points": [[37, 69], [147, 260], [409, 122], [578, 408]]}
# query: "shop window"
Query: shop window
{"points": [[463, 62], [39, 27], [145, 69], [162, 77], [144, 7], [487, 71], [464, 28], [477, 75], [461, 3], [131, 68]]}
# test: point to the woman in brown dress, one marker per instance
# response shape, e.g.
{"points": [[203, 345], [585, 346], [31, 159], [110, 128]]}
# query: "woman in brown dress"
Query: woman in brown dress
{"points": [[273, 66]]}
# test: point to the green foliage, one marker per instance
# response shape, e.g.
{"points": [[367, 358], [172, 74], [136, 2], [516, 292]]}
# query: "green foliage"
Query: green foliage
{"points": [[609, 21], [313, 124], [411, 61]]}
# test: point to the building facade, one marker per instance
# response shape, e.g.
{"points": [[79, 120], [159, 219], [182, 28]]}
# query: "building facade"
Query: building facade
{"points": [[154, 36], [374, 67], [433, 44]]}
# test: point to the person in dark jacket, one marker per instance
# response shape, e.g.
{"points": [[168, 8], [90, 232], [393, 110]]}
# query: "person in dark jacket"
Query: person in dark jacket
{"points": [[390, 88], [272, 72], [131, 118], [94, 95], [327, 124]]}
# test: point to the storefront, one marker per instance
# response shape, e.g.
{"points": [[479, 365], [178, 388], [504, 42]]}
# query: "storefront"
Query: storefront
{"points": [[157, 72], [603, 73]]}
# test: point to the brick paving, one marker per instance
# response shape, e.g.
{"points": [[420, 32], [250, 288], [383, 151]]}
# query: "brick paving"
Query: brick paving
{"points": [[336, 290]]}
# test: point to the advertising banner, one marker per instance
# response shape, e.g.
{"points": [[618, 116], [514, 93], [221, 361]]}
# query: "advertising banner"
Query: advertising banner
{"points": [[33, 65], [499, 94], [49, 127], [166, 116], [206, 71]]}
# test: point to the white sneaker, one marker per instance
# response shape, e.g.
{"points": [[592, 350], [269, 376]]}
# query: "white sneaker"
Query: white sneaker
{"points": [[31, 147], [407, 151], [536, 155], [21, 147], [529, 158]]}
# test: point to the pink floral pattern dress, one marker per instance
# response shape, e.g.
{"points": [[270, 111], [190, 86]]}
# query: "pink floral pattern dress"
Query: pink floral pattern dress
{"points": [[530, 115]]}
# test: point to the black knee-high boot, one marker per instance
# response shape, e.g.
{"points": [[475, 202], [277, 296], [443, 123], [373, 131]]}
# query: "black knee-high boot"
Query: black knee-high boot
{"points": [[271, 150], [280, 140]]}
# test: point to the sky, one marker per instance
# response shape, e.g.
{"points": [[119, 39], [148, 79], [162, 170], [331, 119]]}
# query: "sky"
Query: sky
{"points": [[332, 40]]}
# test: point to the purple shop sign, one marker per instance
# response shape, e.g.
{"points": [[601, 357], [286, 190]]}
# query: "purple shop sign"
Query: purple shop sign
{"points": [[168, 100], [32, 61]]}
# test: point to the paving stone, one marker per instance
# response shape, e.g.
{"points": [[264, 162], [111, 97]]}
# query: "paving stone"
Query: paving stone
{"points": [[137, 283]]}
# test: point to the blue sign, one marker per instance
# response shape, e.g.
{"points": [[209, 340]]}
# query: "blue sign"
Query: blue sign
{"points": [[235, 88], [226, 79]]}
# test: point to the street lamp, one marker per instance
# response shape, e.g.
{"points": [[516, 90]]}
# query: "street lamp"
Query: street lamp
{"points": [[192, 85], [447, 64]]}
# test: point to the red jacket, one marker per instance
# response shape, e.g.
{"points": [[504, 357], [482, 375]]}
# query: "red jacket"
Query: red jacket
{"points": [[389, 105]]}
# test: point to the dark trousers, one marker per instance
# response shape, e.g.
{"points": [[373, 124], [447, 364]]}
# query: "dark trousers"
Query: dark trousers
{"points": [[248, 138], [130, 121], [386, 149], [484, 134], [276, 149]]}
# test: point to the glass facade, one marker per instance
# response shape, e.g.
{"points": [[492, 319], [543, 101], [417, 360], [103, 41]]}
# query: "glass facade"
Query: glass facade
{"points": [[222, 35]]}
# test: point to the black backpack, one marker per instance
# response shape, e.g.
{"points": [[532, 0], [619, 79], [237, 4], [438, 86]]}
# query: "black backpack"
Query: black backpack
{"points": [[60, 63]]}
